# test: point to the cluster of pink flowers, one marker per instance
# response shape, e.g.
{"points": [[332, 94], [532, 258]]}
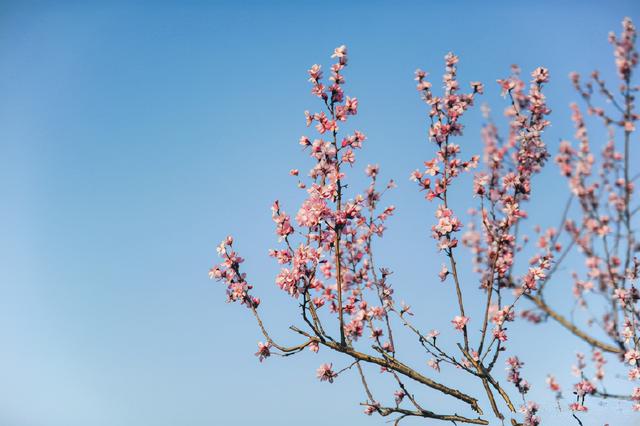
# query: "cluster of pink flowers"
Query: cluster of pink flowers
{"points": [[332, 264], [582, 389], [446, 226], [503, 188], [513, 374], [445, 114], [625, 49], [228, 272], [282, 220], [499, 317]]}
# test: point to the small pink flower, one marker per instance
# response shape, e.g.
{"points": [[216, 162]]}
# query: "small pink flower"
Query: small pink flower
{"points": [[459, 322], [416, 176], [506, 86], [500, 334], [372, 170], [370, 409], [216, 273], [432, 167], [553, 384], [340, 52], [387, 347], [632, 356], [315, 73], [325, 373], [263, 351], [540, 75], [443, 273], [577, 407], [477, 87], [348, 157], [584, 387], [351, 105]]}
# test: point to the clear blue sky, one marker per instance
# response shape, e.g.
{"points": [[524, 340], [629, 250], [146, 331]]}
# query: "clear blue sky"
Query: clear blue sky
{"points": [[134, 137]]}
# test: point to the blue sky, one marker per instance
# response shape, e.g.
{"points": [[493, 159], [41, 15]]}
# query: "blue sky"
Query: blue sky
{"points": [[135, 136]]}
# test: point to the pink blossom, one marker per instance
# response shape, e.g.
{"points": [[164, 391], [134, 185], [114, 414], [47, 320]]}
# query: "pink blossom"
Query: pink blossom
{"points": [[325, 373], [540, 75], [632, 356], [459, 322], [500, 334], [584, 387], [263, 351], [434, 363], [351, 106], [313, 210], [477, 87], [348, 157], [443, 273], [370, 409], [287, 280], [372, 170], [340, 52], [575, 406], [315, 73], [553, 384]]}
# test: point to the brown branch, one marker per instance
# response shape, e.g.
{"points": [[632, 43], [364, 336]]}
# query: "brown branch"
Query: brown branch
{"points": [[492, 400], [286, 349], [572, 327], [401, 368], [339, 276], [605, 395], [484, 374], [385, 411]]}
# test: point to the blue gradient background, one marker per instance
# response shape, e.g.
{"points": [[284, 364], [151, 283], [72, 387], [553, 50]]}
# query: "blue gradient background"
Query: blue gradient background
{"points": [[134, 137]]}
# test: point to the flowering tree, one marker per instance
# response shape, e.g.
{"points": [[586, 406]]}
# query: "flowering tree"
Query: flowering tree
{"points": [[347, 304]]}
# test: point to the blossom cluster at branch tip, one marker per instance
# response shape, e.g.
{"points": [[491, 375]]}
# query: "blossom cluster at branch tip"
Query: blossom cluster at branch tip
{"points": [[229, 272]]}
